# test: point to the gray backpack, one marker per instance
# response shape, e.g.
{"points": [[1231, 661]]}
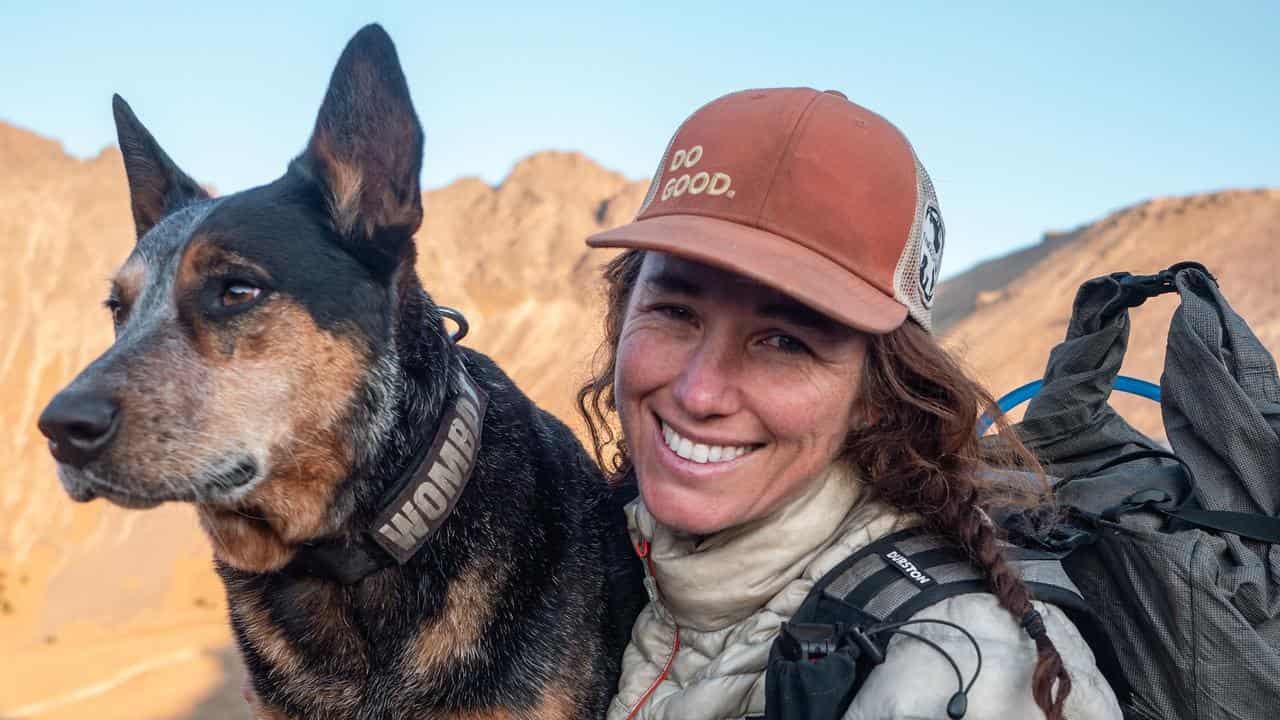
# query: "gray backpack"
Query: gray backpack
{"points": [[1177, 552], [1171, 558]]}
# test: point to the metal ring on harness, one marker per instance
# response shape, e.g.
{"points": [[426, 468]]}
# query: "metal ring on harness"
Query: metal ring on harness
{"points": [[459, 319]]}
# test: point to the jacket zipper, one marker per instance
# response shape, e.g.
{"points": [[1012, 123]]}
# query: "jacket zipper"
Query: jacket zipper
{"points": [[643, 551]]}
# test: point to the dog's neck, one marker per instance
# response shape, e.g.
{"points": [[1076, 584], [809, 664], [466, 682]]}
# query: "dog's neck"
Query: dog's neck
{"points": [[429, 396]]}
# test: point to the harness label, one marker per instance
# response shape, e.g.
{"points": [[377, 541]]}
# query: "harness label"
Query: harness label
{"points": [[904, 565], [422, 506]]}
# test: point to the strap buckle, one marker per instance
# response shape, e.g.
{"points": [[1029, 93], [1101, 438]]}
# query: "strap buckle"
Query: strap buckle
{"points": [[814, 641], [1137, 289], [1149, 499], [1060, 539], [810, 641]]}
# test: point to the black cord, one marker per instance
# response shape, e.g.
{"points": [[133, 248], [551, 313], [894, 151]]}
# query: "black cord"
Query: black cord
{"points": [[935, 646], [877, 629], [959, 702]]}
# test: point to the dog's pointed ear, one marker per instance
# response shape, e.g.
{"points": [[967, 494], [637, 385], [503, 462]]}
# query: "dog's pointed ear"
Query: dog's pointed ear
{"points": [[366, 150], [156, 185]]}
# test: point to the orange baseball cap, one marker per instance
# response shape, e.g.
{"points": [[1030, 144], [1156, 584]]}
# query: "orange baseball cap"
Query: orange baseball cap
{"points": [[803, 191]]}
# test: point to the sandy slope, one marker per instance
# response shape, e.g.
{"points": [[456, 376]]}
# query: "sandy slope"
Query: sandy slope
{"points": [[113, 614]]}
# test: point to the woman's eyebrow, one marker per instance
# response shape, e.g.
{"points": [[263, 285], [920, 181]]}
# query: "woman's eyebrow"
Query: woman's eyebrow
{"points": [[797, 314], [673, 283]]}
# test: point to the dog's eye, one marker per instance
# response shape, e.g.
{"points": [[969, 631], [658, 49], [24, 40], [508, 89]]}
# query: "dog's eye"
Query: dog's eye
{"points": [[237, 294], [117, 311]]}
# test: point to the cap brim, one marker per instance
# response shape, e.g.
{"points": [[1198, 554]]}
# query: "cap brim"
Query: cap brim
{"points": [[782, 264]]}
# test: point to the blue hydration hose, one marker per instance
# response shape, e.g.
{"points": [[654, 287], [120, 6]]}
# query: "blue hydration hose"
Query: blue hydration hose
{"points": [[1017, 396]]}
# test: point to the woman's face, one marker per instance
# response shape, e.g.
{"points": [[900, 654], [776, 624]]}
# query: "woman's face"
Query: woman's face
{"points": [[732, 396]]}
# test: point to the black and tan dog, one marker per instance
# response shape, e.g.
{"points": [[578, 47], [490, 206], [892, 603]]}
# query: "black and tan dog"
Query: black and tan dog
{"points": [[401, 532]]}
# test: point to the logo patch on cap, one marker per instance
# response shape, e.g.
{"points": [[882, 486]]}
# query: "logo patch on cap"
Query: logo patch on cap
{"points": [[931, 242], [694, 183]]}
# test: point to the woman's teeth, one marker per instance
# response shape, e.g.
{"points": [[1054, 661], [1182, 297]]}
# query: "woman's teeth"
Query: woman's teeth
{"points": [[699, 453]]}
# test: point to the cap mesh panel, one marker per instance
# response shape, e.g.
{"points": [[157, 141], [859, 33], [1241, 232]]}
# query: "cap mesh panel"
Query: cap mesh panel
{"points": [[906, 277]]}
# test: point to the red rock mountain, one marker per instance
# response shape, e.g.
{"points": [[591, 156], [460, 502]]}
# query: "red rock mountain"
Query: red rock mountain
{"points": [[107, 613]]}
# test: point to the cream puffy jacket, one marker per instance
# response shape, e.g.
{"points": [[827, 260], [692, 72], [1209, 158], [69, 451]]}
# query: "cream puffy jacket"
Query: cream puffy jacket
{"points": [[699, 649]]}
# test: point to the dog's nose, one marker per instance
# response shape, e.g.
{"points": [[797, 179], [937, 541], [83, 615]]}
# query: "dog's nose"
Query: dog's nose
{"points": [[79, 425]]}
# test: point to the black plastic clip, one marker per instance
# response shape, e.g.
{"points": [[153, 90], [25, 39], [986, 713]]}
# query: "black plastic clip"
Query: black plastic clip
{"points": [[1137, 289], [1151, 498], [810, 641], [1063, 539], [870, 651], [1052, 535]]}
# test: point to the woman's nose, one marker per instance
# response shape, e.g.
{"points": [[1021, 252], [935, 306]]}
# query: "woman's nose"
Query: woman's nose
{"points": [[709, 383]]}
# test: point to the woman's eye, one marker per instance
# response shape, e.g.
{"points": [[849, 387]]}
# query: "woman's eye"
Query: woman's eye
{"points": [[786, 344], [236, 294], [675, 312]]}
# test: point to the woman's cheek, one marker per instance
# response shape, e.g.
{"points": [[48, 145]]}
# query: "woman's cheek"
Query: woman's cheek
{"points": [[647, 357]]}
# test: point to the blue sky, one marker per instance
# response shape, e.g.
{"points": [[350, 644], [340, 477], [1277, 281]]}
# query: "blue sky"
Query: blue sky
{"points": [[1029, 116]]}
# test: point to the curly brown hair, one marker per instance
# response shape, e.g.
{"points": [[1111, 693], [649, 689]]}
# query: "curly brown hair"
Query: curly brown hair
{"points": [[919, 454]]}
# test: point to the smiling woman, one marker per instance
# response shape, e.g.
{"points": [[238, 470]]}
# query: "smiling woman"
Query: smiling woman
{"points": [[732, 396], [783, 405]]}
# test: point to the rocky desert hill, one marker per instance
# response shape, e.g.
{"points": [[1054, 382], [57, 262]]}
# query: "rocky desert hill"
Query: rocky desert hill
{"points": [[112, 614], [1019, 316]]}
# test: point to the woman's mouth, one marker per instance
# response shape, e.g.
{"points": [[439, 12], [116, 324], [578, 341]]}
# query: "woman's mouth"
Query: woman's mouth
{"points": [[701, 453]]}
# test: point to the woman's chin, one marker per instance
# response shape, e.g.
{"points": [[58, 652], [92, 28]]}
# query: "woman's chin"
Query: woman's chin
{"points": [[684, 509]]}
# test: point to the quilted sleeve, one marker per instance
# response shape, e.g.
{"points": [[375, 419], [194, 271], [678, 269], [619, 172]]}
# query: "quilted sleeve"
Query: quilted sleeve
{"points": [[916, 681]]}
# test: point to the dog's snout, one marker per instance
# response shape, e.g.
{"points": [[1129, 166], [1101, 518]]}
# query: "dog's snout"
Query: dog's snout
{"points": [[79, 425]]}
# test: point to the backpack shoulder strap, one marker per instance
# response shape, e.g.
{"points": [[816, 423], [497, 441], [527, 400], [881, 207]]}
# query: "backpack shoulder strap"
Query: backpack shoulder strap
{"points": [[901, 574]]}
